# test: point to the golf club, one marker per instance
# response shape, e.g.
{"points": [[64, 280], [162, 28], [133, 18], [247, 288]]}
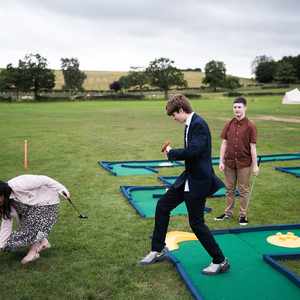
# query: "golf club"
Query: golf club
{"points": [[81, 216], [253, 183]]}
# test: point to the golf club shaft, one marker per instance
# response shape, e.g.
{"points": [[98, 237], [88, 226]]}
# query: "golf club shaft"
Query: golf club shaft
{"points": [[253, 184], [76, 209]]}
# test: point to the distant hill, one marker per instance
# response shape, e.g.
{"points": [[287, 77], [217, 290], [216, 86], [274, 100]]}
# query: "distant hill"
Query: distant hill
{"points": [[96, 80], [100, 80]]}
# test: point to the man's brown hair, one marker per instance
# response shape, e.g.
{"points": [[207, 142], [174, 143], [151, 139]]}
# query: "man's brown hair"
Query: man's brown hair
{"points": [[240, 100], [177, 102]]}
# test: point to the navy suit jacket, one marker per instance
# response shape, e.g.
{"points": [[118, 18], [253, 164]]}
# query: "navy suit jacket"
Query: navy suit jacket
{"points": [[198, 165]]}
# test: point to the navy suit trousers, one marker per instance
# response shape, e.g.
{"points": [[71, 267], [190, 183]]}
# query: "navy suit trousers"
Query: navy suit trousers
{"points": [[195, 207]]}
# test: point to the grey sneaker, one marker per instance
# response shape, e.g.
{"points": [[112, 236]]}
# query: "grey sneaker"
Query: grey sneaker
{"points": [[153, 257], [222, 217], [214, 269]]}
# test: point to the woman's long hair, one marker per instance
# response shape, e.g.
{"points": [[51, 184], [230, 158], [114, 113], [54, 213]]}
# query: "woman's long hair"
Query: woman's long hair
{"points": [[5, 191]]}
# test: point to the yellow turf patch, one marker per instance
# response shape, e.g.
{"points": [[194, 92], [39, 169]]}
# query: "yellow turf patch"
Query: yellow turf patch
{"points": [[289, 240], [175, 237]]}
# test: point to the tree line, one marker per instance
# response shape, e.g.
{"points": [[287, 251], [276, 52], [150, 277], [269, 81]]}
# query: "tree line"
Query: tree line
{"points": [[285, 70], [162, 74], [32, 75]]}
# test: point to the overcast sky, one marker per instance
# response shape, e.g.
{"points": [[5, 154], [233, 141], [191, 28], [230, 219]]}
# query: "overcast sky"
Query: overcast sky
{"points": [[118, 34]]}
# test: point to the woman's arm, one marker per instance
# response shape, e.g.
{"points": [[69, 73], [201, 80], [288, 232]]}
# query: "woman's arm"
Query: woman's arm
{"points": [[32, 182]]}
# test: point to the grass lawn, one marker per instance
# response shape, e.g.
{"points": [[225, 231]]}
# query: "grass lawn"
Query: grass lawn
{"points": [[97, 258]]}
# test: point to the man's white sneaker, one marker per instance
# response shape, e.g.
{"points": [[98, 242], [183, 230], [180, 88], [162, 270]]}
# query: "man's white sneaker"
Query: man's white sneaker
{"points": [[214, 269], [153, 257]]}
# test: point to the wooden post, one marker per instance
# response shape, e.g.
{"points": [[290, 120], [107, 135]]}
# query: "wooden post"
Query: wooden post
{"points": [[25, 155]]}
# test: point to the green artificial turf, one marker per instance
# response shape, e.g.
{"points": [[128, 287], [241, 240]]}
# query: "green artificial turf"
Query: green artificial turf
{"points": [[250, 275], [144, 200], [291, 170]]}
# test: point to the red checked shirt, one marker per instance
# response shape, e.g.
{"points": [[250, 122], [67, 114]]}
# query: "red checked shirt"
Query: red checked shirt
{"points": [[239, 135]]}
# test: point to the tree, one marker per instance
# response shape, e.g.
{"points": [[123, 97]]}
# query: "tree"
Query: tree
{"points": [[3, 85], [135, 79], [7, 78], [124, 82], [73, 77], [163, 74], [295, 62], [15, 79], [215, 74], [34, 68], [285, 72], [264, 68], [258, 60], [138, 79], [296, 65], [232, 82], [265, 72], [115, 86]]}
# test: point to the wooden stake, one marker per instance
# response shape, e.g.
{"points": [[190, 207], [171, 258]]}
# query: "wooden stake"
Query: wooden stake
{"points": [[25, 155]]}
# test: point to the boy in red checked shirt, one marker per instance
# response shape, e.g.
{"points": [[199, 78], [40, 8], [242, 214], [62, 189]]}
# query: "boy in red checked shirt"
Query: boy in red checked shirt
{"points": [[238, 159]]}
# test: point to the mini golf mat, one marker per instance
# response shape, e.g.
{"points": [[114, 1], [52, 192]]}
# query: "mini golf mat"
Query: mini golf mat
{"points": [[144, 200], [280, 157], [125, 168], [249, 277], [144, 167], [290, 170], [169, 180]]}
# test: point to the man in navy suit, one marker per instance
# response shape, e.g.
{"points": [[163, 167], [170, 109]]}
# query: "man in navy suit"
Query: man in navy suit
{"points": [[193, 186]]}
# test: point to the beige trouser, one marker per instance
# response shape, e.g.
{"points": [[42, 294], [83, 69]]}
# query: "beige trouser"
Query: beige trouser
{"points": [[237, 178]]}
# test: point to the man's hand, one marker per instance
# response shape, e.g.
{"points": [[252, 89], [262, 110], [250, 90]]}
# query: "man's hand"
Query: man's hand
{"points": [[255, 170], [168, 148], [221, 166], [165, 145], [65, 194]]}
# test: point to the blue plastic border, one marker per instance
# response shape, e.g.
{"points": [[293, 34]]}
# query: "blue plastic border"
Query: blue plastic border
{"points": [[272, 260], [165, 181], [184, 276], [127, 189], [175, 162], [107, 165], [288, 170], [151, 169], [279, 268], [278, 157], [215, 160]]}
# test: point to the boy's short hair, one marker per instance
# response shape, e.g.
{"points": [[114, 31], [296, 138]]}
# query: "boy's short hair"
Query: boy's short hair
{"points": [[240, 100], [177, 102]]}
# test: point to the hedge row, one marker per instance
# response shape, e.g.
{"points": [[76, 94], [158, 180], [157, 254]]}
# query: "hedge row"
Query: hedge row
{"points": [[237, 94]]}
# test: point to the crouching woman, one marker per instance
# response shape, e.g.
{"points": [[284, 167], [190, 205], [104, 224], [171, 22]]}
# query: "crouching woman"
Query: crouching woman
{"points": [[33, 201]]}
